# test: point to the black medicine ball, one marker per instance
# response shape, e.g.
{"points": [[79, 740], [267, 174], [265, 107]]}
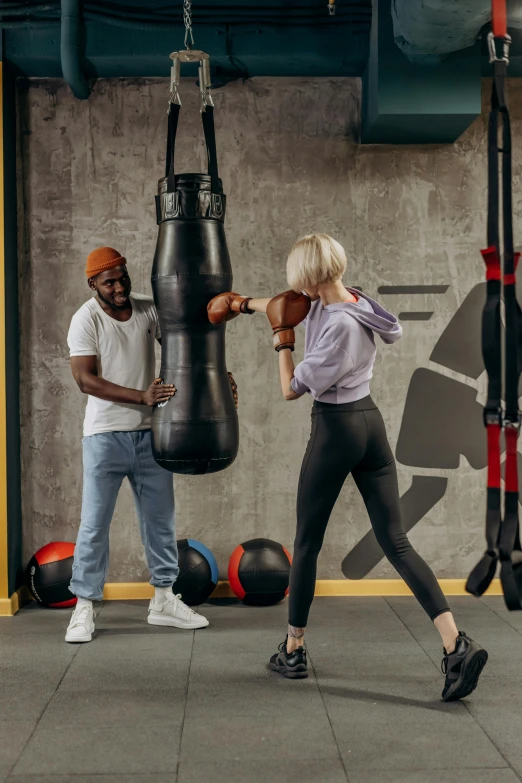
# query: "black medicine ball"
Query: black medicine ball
{"points": [[259, 572], [198, 572]]}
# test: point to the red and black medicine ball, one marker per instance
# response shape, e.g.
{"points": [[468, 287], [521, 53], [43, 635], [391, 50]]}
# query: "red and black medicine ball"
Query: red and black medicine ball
{"points": [[259, 572], [49, 573]]}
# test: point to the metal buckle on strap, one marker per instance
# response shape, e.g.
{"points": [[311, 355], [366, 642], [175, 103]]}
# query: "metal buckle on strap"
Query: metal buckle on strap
{"points": [[512, 424], [492, 46], [493, 417], [205, 82], [171, 204], [217, 205]]}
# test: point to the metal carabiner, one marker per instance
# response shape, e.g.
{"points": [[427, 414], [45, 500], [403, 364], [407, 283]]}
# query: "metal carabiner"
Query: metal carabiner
{"points": [[191, 56], [205, 84], [175, 74], [492, 46]]}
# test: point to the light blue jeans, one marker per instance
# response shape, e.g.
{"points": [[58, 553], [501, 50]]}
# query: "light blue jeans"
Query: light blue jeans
{"points": [[107, 459]]}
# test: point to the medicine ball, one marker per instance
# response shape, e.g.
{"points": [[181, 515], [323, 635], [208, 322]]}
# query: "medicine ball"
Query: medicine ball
{"points": [[198, 572], [49, 573], [259, 572]]}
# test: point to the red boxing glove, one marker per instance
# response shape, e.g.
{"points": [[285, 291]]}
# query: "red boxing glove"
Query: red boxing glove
{"points": [[284, 312], [227, 306]]}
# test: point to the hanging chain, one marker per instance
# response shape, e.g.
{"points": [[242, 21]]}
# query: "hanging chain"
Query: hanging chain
{"points": [[187, 18], [190, 55]]}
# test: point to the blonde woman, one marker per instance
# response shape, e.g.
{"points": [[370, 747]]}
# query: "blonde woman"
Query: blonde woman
{"points": [[348, 437]]}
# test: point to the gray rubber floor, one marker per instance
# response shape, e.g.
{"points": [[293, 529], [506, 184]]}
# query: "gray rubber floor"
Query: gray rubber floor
{"points": [[148, 705]]}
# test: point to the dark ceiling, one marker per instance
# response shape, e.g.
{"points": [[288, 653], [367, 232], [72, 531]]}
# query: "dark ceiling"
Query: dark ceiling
{"points": [[269, 38], [133, 38]]}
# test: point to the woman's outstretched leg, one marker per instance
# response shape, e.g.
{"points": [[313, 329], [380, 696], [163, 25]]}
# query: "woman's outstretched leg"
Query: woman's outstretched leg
{"points": [[376, 479]]}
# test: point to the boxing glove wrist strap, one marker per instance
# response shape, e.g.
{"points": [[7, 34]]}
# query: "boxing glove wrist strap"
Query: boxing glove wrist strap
{"points": [[244, 306], [240, 305], [284, 338]]}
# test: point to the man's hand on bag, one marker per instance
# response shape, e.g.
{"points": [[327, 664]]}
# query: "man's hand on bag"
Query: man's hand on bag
{"points": [[234, 388], [158, 392]]}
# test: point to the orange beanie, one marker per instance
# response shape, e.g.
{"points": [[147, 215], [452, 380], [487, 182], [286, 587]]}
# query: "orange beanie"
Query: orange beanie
{"points": [[101, 259]]}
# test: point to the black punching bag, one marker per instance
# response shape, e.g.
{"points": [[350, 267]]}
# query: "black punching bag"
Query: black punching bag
{"points": [[197, 430]]}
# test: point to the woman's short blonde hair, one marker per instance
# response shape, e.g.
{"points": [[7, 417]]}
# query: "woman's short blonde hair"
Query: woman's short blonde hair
{"points": [[314, 259]]}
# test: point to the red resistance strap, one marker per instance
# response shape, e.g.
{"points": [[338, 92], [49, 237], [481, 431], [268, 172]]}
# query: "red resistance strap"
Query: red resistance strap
{"points": [[494, 432], [511, 278], [492, 261], [499, 18], [491, 350], [511, 435], [512, 432], [494, 428]]}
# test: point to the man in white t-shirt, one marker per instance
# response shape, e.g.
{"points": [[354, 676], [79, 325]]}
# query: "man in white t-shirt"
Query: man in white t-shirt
{"points": [[111, 341]]}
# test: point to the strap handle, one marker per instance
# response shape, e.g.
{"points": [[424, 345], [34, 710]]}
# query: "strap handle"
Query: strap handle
{"points": [[210, 142]]}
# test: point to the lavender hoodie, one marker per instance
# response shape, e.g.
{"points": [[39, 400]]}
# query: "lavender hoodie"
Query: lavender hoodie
{"points": [[340, 348]]}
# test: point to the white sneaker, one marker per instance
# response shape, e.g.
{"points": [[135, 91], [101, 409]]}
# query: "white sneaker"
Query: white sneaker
{"points": [[81, 627], [174, 613]]}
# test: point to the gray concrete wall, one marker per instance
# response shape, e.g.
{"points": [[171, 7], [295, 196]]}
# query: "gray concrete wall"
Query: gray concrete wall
{"points": [[290, 163]]}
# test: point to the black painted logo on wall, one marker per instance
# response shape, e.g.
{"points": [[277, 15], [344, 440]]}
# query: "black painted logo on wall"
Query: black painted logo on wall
{"points": [[442, 419]]}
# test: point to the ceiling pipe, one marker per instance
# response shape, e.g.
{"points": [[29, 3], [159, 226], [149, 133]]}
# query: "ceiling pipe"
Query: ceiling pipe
{"points": [[70, 49], [428, 31]]}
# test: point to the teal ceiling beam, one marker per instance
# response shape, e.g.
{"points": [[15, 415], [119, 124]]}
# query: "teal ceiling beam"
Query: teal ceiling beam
{"points": [[237, 51], [408, 103]]}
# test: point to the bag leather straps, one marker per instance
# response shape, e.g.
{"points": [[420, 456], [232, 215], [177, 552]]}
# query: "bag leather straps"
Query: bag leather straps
{"points": [[210, 142]]}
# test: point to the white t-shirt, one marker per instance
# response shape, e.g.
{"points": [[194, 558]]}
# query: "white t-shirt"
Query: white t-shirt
{"points": [[126, 356]]}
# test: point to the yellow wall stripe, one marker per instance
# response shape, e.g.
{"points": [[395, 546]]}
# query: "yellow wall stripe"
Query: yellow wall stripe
{"points": [[121, 591], [4, 587], [133, 591]]}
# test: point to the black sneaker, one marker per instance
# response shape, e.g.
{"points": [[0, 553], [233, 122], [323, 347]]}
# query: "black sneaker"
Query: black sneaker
{"points": [[462, 668], [291, 665]]}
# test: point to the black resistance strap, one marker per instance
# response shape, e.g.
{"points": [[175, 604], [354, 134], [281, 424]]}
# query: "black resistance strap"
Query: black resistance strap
{"points": [[502, 530]]}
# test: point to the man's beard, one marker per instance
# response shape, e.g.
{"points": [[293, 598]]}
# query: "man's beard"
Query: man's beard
{"points": [[113, 305]]}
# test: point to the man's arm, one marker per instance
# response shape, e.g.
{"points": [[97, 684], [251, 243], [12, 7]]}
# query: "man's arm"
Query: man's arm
{"points": [[286, 371], [85, 373]]}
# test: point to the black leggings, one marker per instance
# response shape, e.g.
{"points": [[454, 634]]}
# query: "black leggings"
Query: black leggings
{"points": [[351, 438]]}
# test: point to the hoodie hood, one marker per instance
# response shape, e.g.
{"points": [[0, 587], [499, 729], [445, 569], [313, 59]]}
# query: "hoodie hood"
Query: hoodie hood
{"points": [[371, 315], [340, 348]]}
